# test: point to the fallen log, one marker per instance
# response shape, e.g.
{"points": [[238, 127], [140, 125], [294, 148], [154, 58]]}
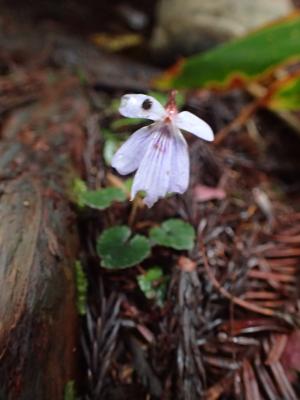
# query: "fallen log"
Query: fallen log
{"points": [[39, 152]]}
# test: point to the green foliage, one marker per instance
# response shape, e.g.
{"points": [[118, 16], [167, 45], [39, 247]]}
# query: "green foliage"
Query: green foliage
{"points": [[109, 149], [98, 199], [103, 198], [153, 285], [114, 106], [128, 184], [78, 188], [70, 392], [81, 288], [119, 250], [126, 122], [287, 95], [111, 144], [245, 58], [174, 233]]}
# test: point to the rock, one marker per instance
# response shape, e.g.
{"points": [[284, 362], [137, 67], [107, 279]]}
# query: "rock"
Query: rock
{"points": [[196, 25]]}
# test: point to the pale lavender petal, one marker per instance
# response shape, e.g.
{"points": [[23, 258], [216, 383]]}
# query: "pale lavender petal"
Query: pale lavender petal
{"points": [[154, 173], [191, 123], [180, 174], [129, 156], [141, 106]]}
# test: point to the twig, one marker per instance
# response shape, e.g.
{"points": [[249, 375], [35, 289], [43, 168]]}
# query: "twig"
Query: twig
{"points": [[236, 300], [239, 121]]}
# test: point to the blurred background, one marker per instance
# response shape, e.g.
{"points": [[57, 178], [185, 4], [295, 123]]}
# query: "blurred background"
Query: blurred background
{"points": [[170, 28]]}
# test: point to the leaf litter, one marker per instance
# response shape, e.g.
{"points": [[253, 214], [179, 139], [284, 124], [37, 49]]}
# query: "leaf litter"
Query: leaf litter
{"points": [[228, 324]]}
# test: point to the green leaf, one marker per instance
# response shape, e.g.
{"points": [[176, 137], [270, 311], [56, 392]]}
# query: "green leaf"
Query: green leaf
{"points": [[286, 96], [112, 142], [118, 249], [153, 285], [124, 122], [103, 198], [109, 148], [98, 199], [174, 233], [81, 288], [114, 106], [78, 188], [70, 393], [239, 60], [128, 184]]}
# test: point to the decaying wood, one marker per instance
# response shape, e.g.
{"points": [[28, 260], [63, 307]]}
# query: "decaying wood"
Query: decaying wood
{"points": [[39, 152]]}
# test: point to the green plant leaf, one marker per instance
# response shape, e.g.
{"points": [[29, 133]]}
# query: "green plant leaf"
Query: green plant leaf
{"points": [[103, 198], [81, 288], [287, 95], [153, 285], [125, 122], [98, 199], [113, 107], [112, 142], [70, 392], [128, 184], [242, 59], [174, 233], [78, 187], [118, 249], [109, 148]]}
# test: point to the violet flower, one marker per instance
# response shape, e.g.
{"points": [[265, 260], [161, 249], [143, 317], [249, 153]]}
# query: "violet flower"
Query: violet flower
{"points": [[159, 151]]}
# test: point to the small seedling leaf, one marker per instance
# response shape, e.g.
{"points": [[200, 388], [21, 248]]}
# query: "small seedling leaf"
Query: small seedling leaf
{"points": [[118, 249], [174, 233], [153, 284], [103, 198]]}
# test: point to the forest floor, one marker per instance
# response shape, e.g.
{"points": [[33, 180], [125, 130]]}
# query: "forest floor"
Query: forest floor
{"points": [[222, 319]]}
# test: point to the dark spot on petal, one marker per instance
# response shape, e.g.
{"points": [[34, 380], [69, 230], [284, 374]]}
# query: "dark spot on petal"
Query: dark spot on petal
{"points": [[147, 104]]}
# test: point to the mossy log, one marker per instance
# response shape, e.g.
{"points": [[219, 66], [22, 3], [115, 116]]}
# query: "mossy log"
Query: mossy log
{"points": [[39, 152]]}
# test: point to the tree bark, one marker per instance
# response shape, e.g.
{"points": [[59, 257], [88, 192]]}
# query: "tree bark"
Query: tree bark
{"points": [[39, 154]]}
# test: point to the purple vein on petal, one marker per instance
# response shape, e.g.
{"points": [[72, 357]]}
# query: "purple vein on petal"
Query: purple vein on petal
{"points": [[154, 173]]}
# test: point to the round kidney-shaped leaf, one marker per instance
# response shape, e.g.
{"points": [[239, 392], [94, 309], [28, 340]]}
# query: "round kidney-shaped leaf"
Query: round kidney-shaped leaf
{"points": [[103, 198], [118, 249], [174, 233]]}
